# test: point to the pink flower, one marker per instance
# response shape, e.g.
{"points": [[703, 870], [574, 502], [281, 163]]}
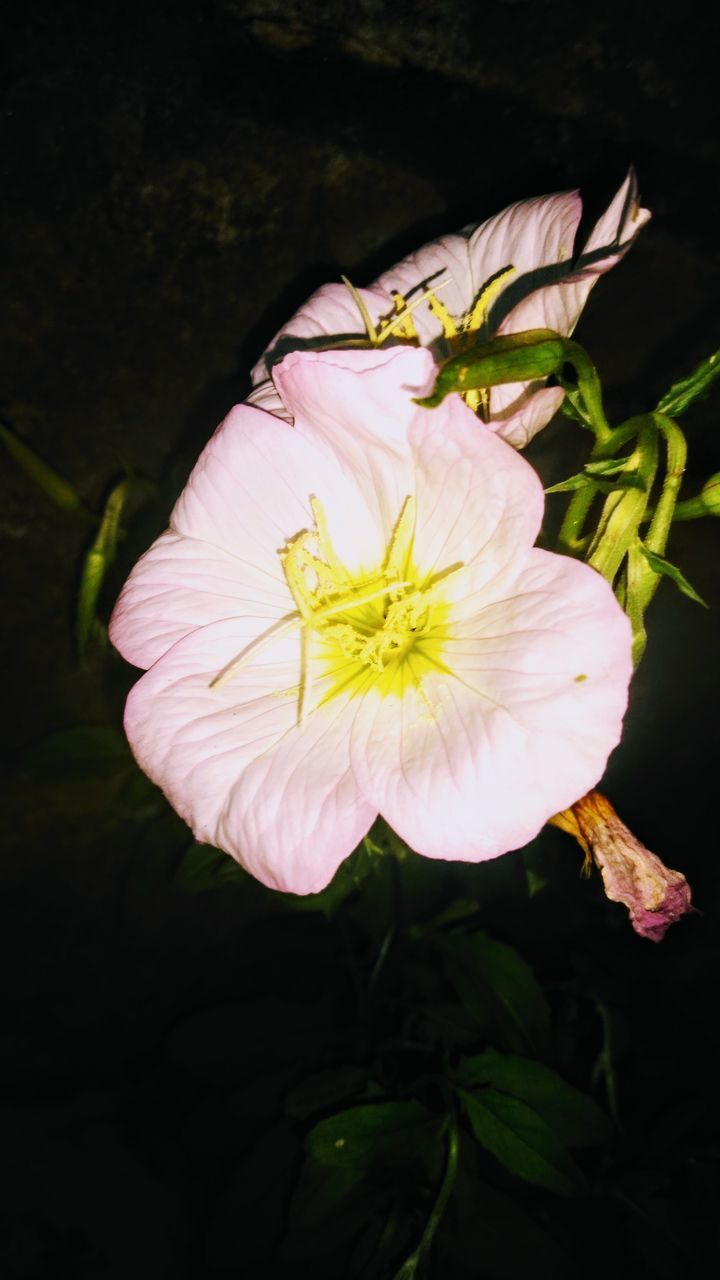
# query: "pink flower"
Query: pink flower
{"points": [[654, 895], [347, 617], [514, 272]]}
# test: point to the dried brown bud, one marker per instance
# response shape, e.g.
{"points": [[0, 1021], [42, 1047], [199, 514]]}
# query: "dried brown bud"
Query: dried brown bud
{"points": [[654, 895]]}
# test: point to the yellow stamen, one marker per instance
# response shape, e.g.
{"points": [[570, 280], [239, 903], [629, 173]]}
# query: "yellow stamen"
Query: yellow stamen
{"points": [[401, 540], [398, 323], [441, 313], [369, 326], [367, 624], [485, 298]]}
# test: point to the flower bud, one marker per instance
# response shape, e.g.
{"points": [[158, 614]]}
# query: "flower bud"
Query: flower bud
{"points": [[710, 495], [654, 895], [514, 357]]}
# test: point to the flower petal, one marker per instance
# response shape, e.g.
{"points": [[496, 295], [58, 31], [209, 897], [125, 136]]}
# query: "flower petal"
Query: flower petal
{"points": [[359, 405], [528, 413], [279, 798], [445, 267], [558, 304], [251, 487], [528, 236], [180, 584], [473, 765], [478, 502], [265, 396], [330, 312]]}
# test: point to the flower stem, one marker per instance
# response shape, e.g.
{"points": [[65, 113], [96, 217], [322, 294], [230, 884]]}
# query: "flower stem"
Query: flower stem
{"points": [[570, 538], [624, 509], [409, 1267], [657, 534], [590, 390]]}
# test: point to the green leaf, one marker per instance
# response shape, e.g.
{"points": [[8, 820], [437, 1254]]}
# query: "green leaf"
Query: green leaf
{"points": [[536, 882], [489, 1224], [697, 386], [54, 486], [578, 481], [575, 1118], [521, 1141], [668, 570], [350, 875], [583, 481], [323, 1211], [497, 988], [324, 1089], [606, 466], [97, 562], [572, 406], [357, 1138], [85, 751], [203, 867]]}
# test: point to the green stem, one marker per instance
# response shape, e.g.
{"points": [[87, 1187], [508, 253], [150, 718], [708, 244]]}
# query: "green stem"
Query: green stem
{"points": [[632, 604], [570, 538], [409, 1267], [657, 534], [604, 1066], [590, 390], [690, 509], [624, 509]]}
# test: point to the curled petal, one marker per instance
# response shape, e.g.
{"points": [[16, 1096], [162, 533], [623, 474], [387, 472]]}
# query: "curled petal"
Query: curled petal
{"points": [[654, 895], [557, 303], [265, 396], [330, 313]]}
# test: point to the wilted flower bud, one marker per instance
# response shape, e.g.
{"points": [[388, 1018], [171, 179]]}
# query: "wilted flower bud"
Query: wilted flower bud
{"points": [[710, 495], [654, 895]]}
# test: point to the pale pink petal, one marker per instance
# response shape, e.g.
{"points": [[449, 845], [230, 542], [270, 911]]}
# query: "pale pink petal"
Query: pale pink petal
{"points": [[558, 304], [443, 266], [251, 487], [265, 396], [279, 798], [478, 502], [615, 231], [330, 312], [475, 764], [359, 404], [527, 414], [531, 236], [528, 236], [181, 584]]}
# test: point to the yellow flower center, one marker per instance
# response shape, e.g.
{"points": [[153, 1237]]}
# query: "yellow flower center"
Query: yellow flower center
{"points": [[384, 628]]}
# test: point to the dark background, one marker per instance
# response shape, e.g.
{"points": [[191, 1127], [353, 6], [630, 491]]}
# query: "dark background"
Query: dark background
{"points": [[177, 178]]}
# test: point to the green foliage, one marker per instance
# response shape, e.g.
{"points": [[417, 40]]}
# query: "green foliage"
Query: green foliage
{"points": [[696, 386], [82, 752], [668, 570], [50, 482], [576, 1119], [356, 1139], [202, 867], [497, 988], [584, 481], [324, 1089], [521, 1141]]}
